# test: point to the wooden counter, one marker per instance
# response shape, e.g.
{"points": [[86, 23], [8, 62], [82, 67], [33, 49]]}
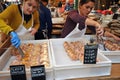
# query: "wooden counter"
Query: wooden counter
{"points": [[115, 74]]}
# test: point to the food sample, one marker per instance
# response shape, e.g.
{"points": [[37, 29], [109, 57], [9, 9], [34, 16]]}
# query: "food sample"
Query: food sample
{"points": [[35, 54]]}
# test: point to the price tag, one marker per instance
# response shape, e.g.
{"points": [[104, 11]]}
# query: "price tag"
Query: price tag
{"points": [[90, 54], [18, 72], [38, 72]]}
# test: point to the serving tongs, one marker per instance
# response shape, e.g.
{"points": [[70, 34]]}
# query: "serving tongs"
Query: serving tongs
{"points": [[21, 52], [101, 41]]}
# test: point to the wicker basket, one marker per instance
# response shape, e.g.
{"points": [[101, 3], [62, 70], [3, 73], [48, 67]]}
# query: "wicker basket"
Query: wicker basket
{"points": [[4, 42]]}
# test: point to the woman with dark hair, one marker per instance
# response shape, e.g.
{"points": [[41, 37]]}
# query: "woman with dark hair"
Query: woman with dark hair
{"points": [[22, 21], [77, 21]]}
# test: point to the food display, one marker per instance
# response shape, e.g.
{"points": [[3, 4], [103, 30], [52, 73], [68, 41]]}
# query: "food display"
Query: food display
{"points": [[35, 54], [114, 26], [75, 50], [112, 46], [66, 54]]}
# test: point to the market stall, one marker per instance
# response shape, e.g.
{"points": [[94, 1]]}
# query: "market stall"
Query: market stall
{"points": [[86, 58]]}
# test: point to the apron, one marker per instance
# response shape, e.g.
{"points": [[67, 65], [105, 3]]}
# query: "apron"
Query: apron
{"points": [[76, 33], [23, 33]]}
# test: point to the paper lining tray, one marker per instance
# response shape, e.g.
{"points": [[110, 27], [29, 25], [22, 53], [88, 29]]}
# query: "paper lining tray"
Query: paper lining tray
{"points": [[65, 68], [7, 58]]}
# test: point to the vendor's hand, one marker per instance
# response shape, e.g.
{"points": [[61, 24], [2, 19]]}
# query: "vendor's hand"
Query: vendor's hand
{"points": [[33, 31], [15, 39], [99, 30]]}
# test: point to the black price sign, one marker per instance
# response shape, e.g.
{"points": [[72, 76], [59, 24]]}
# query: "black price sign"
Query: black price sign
{"points": [[90, 54], [18, 72], [38, 72]]}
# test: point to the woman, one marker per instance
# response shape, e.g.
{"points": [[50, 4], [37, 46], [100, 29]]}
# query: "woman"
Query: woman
{"points": [[76, 21], [20, 21], [44, 32]]}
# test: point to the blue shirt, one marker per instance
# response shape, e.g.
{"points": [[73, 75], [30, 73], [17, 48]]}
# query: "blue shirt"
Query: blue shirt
{"points": [[45, 19]]}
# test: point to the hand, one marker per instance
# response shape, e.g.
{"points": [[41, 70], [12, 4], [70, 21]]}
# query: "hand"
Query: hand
{"points": [[33, 31], [15, 39], [99, 31]]}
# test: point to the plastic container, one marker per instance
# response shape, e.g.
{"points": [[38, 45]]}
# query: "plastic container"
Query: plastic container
{"points": [[114, 56], [65, 68], [6, 58]]}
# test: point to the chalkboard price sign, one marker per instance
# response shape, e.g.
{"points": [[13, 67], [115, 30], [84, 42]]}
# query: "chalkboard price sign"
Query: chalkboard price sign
{"points": [[38, 72], [90, 54], [18, 72]]}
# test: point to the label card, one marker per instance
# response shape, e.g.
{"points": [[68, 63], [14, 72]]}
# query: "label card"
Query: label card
{"points": [[18, 72], [90, 54], [38, 72]]}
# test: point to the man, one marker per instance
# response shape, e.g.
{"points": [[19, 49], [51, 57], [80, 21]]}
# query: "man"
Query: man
{"points": [[45, 29]]}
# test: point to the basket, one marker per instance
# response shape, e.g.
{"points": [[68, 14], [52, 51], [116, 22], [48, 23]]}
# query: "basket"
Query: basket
{"points": [[4, 42]]}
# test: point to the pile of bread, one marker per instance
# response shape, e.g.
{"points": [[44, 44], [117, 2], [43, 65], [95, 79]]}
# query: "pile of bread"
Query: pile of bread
{"points": [[113, 46], [75, 50], [114, 26], [34, 54]]}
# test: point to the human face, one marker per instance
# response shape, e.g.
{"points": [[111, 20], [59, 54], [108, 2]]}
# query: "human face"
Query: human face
{"points": [[85, 9], [29, 6]]}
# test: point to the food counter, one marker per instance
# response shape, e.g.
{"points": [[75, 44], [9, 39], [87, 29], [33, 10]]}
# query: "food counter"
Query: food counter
{"points": [[115, 74], [64, 68]]}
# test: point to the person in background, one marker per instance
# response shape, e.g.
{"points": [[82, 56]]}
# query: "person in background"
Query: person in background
{"points": [[44, 32], [69, 5], [20, 21], [77, 21], [61, 8], [59, 4]]}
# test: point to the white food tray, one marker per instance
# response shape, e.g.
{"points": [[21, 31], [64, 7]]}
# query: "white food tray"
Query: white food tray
{"points": [[6, 59], [65, 68], [114, 56]]}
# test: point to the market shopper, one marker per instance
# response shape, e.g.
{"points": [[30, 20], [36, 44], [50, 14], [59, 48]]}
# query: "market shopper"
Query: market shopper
{"points": [[45, 28], [77, 21], [20, 21]]}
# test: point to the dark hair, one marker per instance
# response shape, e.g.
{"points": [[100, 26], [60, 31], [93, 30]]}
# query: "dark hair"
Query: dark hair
{"points": [[82, 2], [45, 1]]}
